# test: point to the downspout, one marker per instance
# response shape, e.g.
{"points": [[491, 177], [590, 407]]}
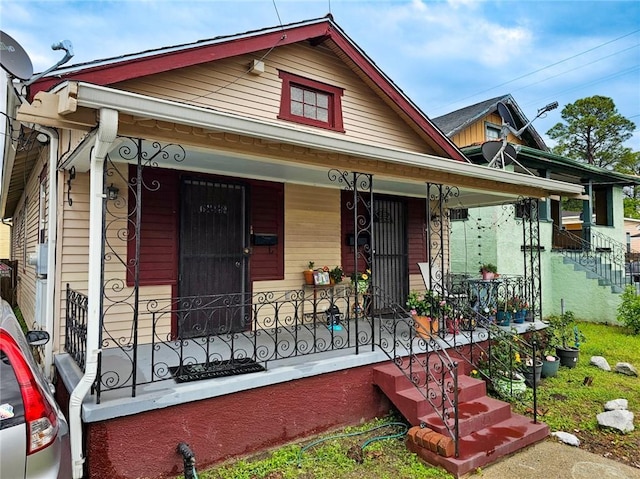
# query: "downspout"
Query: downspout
{"points": [[52, 232], [107, 131]]}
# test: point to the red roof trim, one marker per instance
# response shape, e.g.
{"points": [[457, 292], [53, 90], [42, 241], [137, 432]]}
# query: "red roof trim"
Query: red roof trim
{"points": [[396, 97], [138, 67]]}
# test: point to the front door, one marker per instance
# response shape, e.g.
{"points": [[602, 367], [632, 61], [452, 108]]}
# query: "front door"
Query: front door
{"points": [[390, 243], [213, 263]]}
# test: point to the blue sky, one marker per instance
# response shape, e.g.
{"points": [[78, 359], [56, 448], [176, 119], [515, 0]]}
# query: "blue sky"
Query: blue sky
{"points": [[443, 54]]}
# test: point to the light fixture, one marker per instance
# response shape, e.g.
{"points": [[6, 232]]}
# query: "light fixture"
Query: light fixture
{"points": [[112, 192], [42, 138]]}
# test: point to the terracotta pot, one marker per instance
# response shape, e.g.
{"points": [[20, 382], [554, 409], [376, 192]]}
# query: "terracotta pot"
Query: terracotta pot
{"points": [[488, 275], [425, 326], [308, 276]]}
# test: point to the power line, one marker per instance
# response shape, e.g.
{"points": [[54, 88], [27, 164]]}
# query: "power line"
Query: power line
{"points": [[539, 70]]}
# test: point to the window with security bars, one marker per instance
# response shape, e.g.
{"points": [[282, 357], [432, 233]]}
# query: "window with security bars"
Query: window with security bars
{"points": [[459, 214]]}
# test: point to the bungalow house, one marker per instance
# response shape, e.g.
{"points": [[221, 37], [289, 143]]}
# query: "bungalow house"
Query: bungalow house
{"points": [[163, 224], [582, 255]]}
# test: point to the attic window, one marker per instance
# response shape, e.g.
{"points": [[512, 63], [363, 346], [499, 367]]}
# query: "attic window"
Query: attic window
{"points": [[310, 102], [492, 132]]}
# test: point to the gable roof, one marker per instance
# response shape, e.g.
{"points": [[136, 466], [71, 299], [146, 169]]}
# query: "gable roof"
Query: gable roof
{"points": [[117, 69], [454, 122]]}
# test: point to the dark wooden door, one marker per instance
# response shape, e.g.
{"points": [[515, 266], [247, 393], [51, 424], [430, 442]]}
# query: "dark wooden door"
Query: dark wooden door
{"points": [[213, 263]]}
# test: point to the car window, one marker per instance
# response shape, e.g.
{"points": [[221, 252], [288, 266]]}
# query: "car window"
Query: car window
{"points": [[11, 406]]}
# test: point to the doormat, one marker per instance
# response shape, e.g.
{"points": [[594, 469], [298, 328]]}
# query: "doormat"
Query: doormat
{"points": [[233, 367]]}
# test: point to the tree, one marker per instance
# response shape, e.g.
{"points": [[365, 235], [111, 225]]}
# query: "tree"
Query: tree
{"points": [[630, 165], [594, 132]]}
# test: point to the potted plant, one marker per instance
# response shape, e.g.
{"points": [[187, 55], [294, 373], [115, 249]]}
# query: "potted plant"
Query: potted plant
{"points": [[566, 337], [488, 270], [361, 281], [336, 274], [519, 308], [308, 273], [504, 366], [420, 308], [545, 351], [503, 314]]}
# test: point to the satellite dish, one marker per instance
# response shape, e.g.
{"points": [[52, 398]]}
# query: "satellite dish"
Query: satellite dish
{"points": [[504, 112], [506, 153], [14, 59]]}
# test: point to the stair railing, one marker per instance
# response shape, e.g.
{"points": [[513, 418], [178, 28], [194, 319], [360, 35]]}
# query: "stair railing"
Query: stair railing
{"points": [[600, 254], [421, 357], [493, 352]]}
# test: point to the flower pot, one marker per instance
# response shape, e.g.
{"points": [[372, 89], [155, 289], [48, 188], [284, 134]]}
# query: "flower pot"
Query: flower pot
{"points": [[362, 286], [425, 326], [508, 387], [520, 316], [503, 318], [568, 356], [532, 373], [488, 275], [550, 368], [453, 325], [308, 276]]}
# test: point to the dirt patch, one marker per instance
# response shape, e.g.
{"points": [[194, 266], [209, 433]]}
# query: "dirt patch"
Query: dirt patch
{"points": [[612, 445]]}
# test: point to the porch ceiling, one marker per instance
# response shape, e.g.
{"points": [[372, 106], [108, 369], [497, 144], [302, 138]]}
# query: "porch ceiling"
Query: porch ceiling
{"points": [[228, 144]]}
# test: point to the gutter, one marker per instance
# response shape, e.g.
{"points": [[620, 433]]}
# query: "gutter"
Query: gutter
{"points": [[107, 132], [97, 97]]}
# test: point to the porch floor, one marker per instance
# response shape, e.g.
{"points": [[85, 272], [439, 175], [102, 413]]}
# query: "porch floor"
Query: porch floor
{"points": [[168, 392]]}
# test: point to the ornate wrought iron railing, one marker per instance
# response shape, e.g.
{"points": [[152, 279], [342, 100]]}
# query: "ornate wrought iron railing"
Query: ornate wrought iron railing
{"points": [[495, 354], [597, 253], [422, 358], [76, 326]]}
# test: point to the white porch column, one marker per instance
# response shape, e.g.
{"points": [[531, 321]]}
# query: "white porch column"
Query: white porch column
{"points": [[107, 132]]}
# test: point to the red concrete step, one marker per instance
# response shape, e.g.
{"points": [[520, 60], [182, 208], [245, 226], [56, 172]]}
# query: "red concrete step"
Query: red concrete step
{"points": [[486, 445], [473, 415]]}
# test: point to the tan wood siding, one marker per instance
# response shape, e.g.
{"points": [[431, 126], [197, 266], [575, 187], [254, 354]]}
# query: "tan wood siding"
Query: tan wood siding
{"points": [[225, 85], [5, 241], [475, 134]]}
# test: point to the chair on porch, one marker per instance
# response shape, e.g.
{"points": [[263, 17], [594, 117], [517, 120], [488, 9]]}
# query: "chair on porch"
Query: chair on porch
{"points": [[434, 272]]}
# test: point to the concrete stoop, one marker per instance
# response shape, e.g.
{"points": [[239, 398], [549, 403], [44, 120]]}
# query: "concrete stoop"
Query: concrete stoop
{"points": [[488, 429]]}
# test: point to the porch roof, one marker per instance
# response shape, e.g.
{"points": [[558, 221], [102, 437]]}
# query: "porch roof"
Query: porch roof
{"points": [[397, 171]]}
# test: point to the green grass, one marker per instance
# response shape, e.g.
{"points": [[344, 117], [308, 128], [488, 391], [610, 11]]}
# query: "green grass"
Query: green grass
{"points": [[568, 404], [571, 406], [337, 455]]}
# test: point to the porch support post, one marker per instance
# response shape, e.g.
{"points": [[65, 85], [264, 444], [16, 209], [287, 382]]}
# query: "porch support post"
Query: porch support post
{"points": [[587, 208], [107, 132], [531, 256]]}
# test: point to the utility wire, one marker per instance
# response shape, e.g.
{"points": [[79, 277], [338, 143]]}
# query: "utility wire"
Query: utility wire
{"points": [[576, 68], [539, 70]]}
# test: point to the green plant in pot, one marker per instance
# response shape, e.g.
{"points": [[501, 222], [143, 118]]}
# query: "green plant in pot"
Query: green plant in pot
{"points": [[545, 350], [488, 270], [336, 274], [420, 308], [566, 337]]}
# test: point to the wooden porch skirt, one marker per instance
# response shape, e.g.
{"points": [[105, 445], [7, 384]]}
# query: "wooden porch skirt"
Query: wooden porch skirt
{"points": [[217, 429]]}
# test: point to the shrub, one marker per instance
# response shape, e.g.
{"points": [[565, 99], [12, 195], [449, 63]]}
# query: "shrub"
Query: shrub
{"points": [[629, 310]]}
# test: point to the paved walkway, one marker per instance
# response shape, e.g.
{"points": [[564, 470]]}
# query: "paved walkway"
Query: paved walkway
{"points": [[553, 460]]}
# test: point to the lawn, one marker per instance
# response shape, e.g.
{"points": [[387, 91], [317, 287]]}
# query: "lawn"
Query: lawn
{"points": [[567, 403], [570, 405]]}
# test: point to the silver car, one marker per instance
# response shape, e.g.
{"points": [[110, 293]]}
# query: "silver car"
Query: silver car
{"points": [[34, 435]]}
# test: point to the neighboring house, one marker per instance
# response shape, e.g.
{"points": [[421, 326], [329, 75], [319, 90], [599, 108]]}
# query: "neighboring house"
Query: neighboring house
{"points": [[582, 263], [171, 214], [632, 234]]}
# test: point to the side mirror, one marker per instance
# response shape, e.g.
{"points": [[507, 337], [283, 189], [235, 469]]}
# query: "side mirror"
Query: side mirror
{"points": [[37, 338]]}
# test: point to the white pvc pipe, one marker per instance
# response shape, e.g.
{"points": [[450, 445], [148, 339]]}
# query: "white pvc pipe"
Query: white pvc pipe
{"points": [[107, 132]]}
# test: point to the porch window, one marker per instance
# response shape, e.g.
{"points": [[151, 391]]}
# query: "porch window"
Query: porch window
{"points": [[310, 102], [459, 214], [603, 206]]}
